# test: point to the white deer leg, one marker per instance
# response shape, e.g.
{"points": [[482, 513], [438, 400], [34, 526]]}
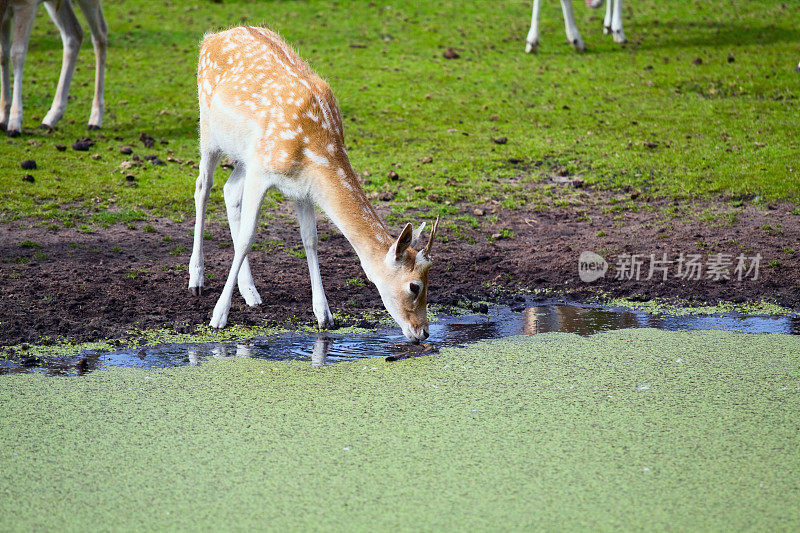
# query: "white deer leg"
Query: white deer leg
{"points": [[308, 232], [5, 70], [97, 25], [254, 191], [607, 18], [233, 205], [573, 35], [23, 22], [616, 23], [532, 41], [71, 36], [209, 157]]}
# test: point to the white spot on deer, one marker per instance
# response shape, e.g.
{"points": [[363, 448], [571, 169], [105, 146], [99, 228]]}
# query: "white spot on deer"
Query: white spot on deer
{"points": [[288, 134], [320, 160]]}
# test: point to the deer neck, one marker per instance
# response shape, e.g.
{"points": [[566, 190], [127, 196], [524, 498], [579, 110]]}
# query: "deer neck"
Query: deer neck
{"points": [[345, 203]]}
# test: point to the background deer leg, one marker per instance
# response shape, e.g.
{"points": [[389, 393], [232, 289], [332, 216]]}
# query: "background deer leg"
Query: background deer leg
{"points": [[97, 25], [532, 41], [616, 22], [71, 36], [23, 22], [573, 35], [5, 71]]}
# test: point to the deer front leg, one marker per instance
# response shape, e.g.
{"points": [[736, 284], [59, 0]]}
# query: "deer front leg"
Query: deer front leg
{"points": [[573, 35], [308, 232], [208, 161], [233, 205], [71, 37], [23, 22], [532, 41], [97, 25], [253, 195]]}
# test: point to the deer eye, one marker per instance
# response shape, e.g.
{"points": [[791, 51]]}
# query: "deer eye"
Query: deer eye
{"points": [[415, 288]]}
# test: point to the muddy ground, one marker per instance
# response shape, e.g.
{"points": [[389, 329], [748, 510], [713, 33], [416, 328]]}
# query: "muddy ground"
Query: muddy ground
{"points": [[68, 284]]}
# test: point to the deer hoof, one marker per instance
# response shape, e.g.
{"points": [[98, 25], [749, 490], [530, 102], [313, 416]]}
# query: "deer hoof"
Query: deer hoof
{"points": [[93, 127], [196, 291], [13, 133], [327, 323]]}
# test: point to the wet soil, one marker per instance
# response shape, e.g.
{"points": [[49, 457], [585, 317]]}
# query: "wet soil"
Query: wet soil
{"points": [[68, 284]]}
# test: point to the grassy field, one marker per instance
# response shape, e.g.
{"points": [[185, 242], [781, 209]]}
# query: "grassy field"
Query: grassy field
{"points": [[646, 115], [632, 430]]}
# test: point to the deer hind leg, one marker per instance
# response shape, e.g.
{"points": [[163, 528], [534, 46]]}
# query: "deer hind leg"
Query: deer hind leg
{"points": [[573, 35], [23, 22], [71, 36], [607, 18], [532, 40], [233, 204], [254, 189], [308, 232], [209, 157], [97, 25], [5, 70]]}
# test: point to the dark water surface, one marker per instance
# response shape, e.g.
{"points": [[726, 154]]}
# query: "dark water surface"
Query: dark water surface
{"points": [[330, 347]]}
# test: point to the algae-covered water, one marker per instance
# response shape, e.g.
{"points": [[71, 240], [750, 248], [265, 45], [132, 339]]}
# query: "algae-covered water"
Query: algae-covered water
{"points": [[447, 330], [625, 429]]}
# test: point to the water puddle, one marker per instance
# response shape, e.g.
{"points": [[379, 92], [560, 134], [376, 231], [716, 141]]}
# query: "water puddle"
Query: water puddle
{"points": [[330, 347]]}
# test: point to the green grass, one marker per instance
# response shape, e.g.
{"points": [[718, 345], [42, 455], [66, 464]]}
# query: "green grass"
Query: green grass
{"points": [[720, 127], [631, 430]]}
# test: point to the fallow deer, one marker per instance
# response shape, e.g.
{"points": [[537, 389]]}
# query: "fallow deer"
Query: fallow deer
{"points": [[612, 23], [22, 14], [264, 107]]}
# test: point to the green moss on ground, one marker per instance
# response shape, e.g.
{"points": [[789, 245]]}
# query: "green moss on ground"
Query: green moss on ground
{"points": [[633, 429], [679, 308]]}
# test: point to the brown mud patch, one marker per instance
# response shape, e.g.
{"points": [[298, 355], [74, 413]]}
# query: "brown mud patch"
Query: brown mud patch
{"points": [[68, 284]]}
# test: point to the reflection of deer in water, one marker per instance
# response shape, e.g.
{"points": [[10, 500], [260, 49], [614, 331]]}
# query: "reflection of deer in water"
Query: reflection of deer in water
{"points": [[220, 351], [572, 319], [320, 351]]}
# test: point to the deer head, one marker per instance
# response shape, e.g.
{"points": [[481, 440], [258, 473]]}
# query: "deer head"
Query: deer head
{"points": [[403, 282]]}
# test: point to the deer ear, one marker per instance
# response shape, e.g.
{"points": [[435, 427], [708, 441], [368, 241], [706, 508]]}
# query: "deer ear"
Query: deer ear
{"points": [[398, 249], [416, 237], [426, 253]]}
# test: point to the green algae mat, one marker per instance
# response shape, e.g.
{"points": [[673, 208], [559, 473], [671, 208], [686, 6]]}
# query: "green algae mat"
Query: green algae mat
{"points": [[632, 429]]}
